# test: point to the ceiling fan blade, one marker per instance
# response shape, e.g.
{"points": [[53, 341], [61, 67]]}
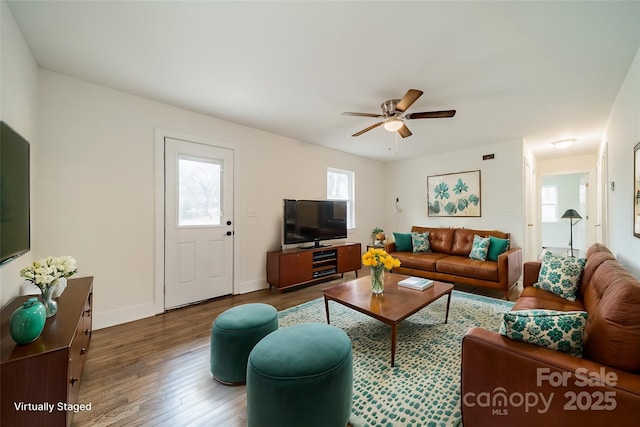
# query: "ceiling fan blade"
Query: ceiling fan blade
{"points": [[367, 129], [409, 98], [431, 115], [348, 113], [404, 131]]}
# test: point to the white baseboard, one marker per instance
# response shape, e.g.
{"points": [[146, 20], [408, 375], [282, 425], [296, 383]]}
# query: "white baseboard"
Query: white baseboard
{"points": [[123, 315], [250, 286], [141, 311]]}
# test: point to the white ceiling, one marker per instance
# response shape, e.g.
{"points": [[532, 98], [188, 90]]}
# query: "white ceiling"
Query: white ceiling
{"points": [[538, 71]]}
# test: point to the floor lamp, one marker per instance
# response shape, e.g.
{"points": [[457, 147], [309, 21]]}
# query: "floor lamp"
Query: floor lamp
{"points": [[571, 214]]}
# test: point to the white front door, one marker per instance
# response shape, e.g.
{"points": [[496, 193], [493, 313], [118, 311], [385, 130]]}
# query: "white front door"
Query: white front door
{"points": [[198, 258]]}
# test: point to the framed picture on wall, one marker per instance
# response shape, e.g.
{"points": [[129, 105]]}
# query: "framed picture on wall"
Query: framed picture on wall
{"points": [[636, 190], [454, 194]]}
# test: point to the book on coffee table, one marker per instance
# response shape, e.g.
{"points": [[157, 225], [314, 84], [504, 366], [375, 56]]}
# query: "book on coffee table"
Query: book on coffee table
{"points": [[416, 283]]}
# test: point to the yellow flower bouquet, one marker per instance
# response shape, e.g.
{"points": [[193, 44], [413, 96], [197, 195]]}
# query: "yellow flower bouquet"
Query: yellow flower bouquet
{"points": [[379, 260]]}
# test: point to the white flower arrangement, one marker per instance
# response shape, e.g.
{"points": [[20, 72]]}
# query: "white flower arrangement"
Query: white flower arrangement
{"points": [[45, 272]]}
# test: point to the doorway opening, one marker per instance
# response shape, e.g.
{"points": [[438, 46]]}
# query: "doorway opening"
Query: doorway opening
{"points": [[565, 213]]}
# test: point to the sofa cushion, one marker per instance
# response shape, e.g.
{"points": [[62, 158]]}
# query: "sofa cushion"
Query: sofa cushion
{"points": [[463, 239], [557, 330], [594, 259], [420, 241], [465, 266], [403, 242], [532, 298], [480, 248], [613, 330], [440, 239], [420, 260], [497, 247], [560, 275]]}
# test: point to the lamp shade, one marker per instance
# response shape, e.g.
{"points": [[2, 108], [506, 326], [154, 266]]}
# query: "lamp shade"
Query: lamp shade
{"points": [[571, 213], [393, 125]]}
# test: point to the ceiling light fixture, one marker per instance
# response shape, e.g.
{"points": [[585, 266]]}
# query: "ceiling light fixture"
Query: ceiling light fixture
{"points": [[393, 125], [564, 143]]}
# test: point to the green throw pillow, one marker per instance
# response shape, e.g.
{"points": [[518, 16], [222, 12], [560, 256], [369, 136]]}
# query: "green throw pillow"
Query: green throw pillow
{"points": [[403, 242], [560, 275], [420, 241], [496, 247], [480, 248], [557, 330]]}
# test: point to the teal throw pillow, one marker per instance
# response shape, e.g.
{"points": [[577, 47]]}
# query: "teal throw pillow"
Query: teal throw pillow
{"points": [[420, 241], [496, 247], [556, 330], [480, 248], [403, 242], [560, 275]]}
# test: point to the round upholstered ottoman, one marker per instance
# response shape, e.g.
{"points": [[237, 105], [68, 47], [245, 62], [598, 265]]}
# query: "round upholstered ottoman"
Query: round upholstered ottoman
{"points": [[300, 376], [234, 334]]}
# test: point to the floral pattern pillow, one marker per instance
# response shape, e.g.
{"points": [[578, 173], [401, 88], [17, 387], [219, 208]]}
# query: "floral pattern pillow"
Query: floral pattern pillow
{"points": [[560, 275], [420, 241], [480, 248], [557, 330]]}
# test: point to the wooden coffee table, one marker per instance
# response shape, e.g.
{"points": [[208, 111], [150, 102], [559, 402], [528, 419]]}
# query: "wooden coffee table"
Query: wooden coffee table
{"points": [[392, 306]]}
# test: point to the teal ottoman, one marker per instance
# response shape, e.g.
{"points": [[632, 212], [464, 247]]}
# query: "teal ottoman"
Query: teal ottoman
{"points": [[300, 376], [234, 334]]}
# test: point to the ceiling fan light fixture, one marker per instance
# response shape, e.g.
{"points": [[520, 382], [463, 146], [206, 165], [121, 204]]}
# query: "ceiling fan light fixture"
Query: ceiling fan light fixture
{"points": [[393, 125], [564, 143]]}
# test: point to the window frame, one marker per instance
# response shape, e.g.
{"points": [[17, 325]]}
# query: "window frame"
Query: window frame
{"points": [[351, 176], [556, 218]]}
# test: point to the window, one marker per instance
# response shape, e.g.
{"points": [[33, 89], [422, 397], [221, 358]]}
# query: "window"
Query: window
{"points": [[199, 191], [549, 203], [340, 186]]}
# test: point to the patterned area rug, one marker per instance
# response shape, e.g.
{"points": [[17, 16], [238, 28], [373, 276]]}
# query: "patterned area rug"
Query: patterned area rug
{"points": [[423, 389]]}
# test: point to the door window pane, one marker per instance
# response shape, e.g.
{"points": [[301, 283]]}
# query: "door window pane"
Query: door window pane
{"points": [[199, 191]]}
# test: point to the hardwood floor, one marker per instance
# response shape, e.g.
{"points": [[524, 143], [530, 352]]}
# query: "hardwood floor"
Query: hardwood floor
{"points": [[155, 371]]}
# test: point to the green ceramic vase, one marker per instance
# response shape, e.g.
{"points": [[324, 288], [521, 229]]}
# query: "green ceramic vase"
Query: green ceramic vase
{"points": [[27, 321]]}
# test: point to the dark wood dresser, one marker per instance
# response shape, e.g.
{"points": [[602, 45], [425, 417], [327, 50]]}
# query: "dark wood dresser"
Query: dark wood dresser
{"points": [[48, 370]]}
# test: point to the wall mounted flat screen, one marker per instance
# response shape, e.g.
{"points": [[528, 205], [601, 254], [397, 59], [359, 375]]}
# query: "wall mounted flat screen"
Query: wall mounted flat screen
{"points": [[15, 234], [314, 221]]}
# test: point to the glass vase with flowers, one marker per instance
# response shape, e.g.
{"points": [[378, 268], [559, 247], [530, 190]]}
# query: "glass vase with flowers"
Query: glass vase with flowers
{"points": [[48, 274], [379, 261]]}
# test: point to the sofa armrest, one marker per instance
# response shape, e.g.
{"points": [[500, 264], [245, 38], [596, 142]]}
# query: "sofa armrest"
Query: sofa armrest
{"points": [[507, 383], [510, 267], [390, 247]]}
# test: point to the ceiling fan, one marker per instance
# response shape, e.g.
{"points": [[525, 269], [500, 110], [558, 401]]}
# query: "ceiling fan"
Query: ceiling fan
{"points": [[392, 114]]}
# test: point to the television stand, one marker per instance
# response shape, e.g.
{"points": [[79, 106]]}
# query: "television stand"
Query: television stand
{"points": [[298, 266], [317, 245]]}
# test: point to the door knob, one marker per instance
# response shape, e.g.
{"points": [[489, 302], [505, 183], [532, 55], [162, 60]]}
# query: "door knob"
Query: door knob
{"points": [[229, 233], [228, 222]]}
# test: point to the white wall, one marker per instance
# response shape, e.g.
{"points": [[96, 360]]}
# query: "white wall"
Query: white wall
{"points": [[18, 108], [623, 133], [97, 188], [501, 192]]}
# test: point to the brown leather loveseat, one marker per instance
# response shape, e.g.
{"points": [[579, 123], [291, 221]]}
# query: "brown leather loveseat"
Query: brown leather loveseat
{"points": [[507, 382], [449, 259]]}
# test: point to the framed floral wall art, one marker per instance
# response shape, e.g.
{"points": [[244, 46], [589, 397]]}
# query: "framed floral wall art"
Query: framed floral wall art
{"points": [[454, 194]]}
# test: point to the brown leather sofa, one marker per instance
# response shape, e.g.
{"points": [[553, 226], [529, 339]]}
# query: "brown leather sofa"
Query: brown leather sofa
{"points": [[511, 383], [449, 260]]}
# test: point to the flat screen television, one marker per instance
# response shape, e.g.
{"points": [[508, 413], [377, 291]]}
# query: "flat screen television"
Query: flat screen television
{"points": [[15, 232], [314, 220]]}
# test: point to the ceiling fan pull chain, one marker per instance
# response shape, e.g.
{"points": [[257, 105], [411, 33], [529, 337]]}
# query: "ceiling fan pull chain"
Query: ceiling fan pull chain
{"points": [[396, 143]]}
